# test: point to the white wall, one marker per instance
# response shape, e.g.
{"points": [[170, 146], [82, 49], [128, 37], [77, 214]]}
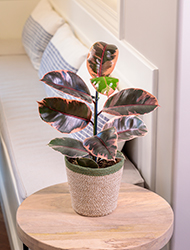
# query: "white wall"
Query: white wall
{"points": [[151, 28], [181, 184], [13, 14]]}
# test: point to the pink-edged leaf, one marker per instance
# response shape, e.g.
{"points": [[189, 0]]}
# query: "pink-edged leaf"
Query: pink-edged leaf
{"points": [[105, 85], [130, 101], [103, 145], [69, 83], [128, 127], [67, 116], [69, 147], [101, 59]]}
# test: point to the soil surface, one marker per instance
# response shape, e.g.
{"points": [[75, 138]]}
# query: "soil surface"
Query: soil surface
{"points": [[102, 163]]}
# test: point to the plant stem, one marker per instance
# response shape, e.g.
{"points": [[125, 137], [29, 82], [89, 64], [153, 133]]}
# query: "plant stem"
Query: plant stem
{"points": [[95, 118], [95, 113]]}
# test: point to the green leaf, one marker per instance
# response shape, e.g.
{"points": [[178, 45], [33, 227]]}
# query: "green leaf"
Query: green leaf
{"points": [[101, 59], [68, 146], [130, 101], [67, 116], [103, 145], [120, 155], [128, 127], [69, 83], [105, 85], [87, 163]]}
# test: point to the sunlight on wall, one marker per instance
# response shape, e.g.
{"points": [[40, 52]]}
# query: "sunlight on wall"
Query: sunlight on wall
{"points": [[111, 3]]}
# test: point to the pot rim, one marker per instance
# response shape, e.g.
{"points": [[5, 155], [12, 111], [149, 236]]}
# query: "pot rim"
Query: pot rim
{"points": [[94, 171]]}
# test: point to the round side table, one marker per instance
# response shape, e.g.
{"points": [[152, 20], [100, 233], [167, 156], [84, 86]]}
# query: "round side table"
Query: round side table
{"points": [[142, 221]]}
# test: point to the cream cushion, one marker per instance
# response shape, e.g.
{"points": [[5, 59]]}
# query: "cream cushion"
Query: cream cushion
{"points": [[39, 29], [24, 134], [64, 51]]}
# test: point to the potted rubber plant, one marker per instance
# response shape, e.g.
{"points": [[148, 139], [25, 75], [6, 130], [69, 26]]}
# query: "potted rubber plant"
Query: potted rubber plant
{"points": [[94, 166]]}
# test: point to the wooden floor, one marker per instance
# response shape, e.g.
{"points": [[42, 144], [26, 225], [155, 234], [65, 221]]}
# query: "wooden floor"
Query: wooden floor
{"points": [[4, 243]]}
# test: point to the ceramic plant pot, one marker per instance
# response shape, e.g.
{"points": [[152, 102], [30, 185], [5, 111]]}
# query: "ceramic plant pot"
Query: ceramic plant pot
{"points": [[94, 191]]}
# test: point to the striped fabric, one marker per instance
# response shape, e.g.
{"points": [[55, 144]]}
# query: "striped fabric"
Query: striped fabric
{"points": [[35, 39], [53, 60], [38, 30], [88, 131]]}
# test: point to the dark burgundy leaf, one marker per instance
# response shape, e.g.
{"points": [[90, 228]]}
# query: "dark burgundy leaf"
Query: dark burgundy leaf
{"points": [[69, 147], [130, 101], [103, 145], [69, 83], [67, 116], [128, 127]]}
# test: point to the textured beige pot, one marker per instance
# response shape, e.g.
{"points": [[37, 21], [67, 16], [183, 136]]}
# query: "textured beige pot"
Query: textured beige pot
{"points": [[94, 192]]}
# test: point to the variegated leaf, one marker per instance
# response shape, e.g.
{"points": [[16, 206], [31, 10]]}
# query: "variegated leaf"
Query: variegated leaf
{"points": [[130, 101], [101, 59], [69, 83], [120, 155], [68, 146], [128, 127], [103, 145], [87, 163], [105, 85], [67, 116]]}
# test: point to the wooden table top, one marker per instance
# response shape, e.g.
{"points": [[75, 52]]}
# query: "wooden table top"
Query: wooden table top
{"points": [[142, 220]]}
